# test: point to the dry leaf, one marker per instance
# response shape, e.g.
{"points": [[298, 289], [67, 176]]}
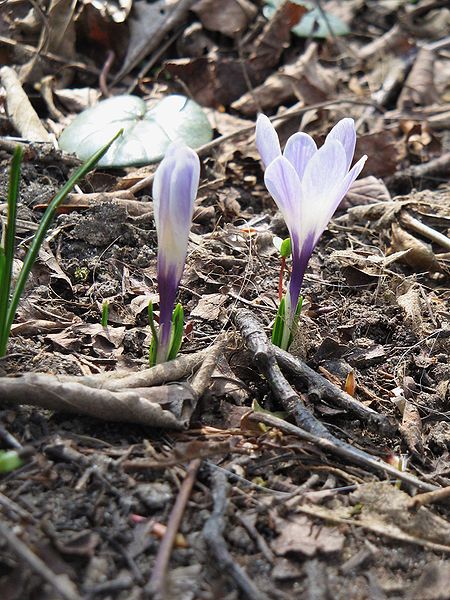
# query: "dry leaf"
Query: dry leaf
{"points": [[20, 110], [412, 306], [303, 79], [411, 428], [366, 190], [275, 36], [232, 18], [419, 89], [209, 307], [301, 536], [383, 151], [420, 256]]}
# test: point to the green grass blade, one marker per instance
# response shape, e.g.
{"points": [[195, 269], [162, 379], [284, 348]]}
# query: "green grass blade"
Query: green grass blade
{"points": [[154, 343], [278, 328], [45, 224], [7, 250], [177, 331]]}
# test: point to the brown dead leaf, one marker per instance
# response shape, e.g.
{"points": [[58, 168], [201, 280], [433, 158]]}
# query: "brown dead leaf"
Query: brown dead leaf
{"points": [[275, 36], [411, 428], [231, 19], [20, 110], [213, 82], [420, 256], [366, 191], [209, 307], [148, 25], [304, 79], [411, 303], [383, 151], [300, 535], [419, 89]]}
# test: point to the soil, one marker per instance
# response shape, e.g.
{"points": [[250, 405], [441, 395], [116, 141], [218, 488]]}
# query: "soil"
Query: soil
{"points": [[93, 498]]}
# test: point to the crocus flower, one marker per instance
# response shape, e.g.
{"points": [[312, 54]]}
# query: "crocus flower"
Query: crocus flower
{"points": [[174, 190], [307, 184]]}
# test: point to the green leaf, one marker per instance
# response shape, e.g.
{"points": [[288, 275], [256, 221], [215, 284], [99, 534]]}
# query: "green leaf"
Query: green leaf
{"points": [[285, 248], [154, 343], [41, 232], [7, 247], [9, 461], [278, 327], [177, 331], [313, 23], [148, 131]]}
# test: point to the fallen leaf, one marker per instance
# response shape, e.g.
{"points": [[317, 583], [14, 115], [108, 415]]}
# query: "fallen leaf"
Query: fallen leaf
{"points": [[231, 19], [304, 79], [420, 256], [209, 307], [419, 89], [300, 535]]}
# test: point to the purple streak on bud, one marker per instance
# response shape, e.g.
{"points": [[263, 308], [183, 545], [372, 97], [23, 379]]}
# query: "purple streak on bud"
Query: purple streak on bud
{"points": [[174, 190], [307, 184]]}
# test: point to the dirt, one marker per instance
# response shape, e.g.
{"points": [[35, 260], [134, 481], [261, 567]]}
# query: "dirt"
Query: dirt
{"points": [[93, 498]]}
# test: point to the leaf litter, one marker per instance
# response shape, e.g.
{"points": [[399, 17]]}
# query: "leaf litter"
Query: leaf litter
{"points": [[95, 501]]}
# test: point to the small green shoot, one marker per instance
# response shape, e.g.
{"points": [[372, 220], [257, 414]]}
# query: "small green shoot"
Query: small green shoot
{"points": [[9, 461], [176, 337], [105, 313], [10, 301]]}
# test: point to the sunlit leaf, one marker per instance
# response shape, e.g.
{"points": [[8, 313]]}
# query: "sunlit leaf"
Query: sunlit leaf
{"points": [[147, 131]]}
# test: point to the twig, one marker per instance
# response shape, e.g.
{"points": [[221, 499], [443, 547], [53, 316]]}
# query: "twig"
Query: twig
{"points": [[344, 450], [60, 583], [31, 50], [419, 227], [266, 357], [102, 80], [323, 389], [156, 586], [430, 497], [213, 534]]}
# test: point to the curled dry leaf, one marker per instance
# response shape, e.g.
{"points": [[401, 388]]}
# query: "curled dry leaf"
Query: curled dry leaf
{"points": [[420, 256], [411, 303], [411, 428], [232, 18], [419, 88], [20, 110]]}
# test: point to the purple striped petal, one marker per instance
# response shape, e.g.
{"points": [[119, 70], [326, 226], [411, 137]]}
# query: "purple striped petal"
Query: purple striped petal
{"points": [[300, 148], [174, 190], [267, 140], [344, 132]]}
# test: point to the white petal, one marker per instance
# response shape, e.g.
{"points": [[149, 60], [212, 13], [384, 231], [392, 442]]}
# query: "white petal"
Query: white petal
{"points": [[284, 185], [344, 132], [267, 140], [324, 175], [300, 148]]}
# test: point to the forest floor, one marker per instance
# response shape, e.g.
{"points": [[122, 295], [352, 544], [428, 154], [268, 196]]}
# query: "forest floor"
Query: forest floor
{"points": [[226, 496]]}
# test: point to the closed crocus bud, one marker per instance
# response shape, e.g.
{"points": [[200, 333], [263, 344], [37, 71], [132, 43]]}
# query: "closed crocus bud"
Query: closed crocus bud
{"points": [[174, 191], [307, 185]]}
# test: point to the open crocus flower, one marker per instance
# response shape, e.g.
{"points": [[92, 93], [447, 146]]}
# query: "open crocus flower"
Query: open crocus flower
{"points": [[307, 184], [174, 190]]}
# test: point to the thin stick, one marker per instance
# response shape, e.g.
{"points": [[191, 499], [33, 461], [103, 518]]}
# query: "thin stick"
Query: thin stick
{"points": [[61, 583], [344, 450], [156, 586], [213, 534], [419, 227], [430, 497]]}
